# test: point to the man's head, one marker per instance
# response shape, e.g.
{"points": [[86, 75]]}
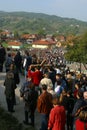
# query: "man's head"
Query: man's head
{"points": [[44, 87]]}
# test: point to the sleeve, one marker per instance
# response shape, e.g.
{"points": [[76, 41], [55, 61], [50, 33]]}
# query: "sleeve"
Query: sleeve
{"points": [[50, 83], [22, 90], [24, 63], [75, 109], [51, 119], [39, 104], [30, 74]]}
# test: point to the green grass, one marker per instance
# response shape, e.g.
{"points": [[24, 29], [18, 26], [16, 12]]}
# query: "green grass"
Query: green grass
{"points": [[9, 122], [5, 44]]}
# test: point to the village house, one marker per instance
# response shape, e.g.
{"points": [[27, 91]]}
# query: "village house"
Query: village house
{"points": [[15, 45], [7, 34], [61, 38], [43, 44], [28, 38]]}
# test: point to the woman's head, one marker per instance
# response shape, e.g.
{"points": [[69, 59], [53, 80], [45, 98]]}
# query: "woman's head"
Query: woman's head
{"points": [[56, 99], [83, 116]]}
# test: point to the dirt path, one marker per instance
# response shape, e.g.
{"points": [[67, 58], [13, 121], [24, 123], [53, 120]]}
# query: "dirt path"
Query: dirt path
{"points": [[19, 107]]}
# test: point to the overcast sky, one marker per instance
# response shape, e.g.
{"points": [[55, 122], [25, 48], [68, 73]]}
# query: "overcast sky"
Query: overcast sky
{"points": [[65, 8]]}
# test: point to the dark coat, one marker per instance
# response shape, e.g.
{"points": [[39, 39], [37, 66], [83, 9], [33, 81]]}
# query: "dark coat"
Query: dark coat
{"points": [[70, 104], [79, 103], [8, 62], [9, 87], [32, 98], [2, 54], [16, 76], [29, 95], [18, 60], [28, 62]]}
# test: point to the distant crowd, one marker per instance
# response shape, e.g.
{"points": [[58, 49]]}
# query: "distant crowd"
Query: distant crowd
{"points": [[59, 95]]}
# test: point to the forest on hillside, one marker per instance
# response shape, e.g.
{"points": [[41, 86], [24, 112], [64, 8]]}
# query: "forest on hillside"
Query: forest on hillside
{"points": [[28, 22]]}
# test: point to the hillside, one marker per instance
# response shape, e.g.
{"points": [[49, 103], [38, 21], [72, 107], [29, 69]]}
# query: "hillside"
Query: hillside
{"points": [[34, 22]]}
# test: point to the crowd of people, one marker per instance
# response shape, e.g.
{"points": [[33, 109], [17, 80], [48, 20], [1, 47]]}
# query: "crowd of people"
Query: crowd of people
{"points": [[59, 95]]}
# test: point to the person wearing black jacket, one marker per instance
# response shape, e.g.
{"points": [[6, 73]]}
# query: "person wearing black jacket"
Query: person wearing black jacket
{"points": [[80, 102], [10, 86], [30, 96], [18, 62], [16, 77], [2, 57], [70, 106], [27, 62]]}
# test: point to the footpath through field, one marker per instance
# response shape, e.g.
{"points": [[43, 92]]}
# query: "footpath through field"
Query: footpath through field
{"points": [[19, 107]]}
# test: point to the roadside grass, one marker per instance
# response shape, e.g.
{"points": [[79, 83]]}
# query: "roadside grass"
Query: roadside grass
{"points": [[9, 122]]}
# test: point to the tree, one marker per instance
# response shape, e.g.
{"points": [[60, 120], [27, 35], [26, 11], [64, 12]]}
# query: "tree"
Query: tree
{"points": [[78, 52], [16, 35], [42, 33]]}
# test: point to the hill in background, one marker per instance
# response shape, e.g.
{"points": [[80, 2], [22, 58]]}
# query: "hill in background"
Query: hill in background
{"points": [[34, 22]]}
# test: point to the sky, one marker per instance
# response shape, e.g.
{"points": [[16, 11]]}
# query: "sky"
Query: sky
{"points": [[64, 8]]}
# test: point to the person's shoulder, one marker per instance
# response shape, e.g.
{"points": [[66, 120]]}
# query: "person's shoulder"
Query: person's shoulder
{"points": [[61, 108], [49, 94]]}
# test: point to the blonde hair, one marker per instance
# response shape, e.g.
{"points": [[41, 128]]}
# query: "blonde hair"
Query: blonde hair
{"points": [[83, 116]]}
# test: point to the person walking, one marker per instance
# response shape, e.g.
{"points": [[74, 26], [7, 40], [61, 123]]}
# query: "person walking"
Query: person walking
{"points": [[35, 76], [16, 78], [47, 81], [10, 86], [30, 96], [27, 62], [44, 105], [8, 62], [57, 117], [18, 62], [2, 57]]}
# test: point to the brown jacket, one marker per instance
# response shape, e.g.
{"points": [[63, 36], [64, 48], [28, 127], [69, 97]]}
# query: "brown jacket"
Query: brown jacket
{"points": [[44, 103]]}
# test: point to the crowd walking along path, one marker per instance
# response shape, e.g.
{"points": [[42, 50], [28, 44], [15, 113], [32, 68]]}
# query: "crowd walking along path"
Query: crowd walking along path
{"points": [[19, 107]]}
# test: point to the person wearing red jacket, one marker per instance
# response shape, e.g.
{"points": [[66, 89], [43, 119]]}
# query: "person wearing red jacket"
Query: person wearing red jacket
{"points": [[57, 117], [80, 125], [35, 76]]}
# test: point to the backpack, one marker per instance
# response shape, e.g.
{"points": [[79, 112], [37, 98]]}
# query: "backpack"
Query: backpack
{"points": [[30, 97], [26, 95]]}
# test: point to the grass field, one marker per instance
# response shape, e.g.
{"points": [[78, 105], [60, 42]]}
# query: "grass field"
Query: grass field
{"points": [[8, 122]]}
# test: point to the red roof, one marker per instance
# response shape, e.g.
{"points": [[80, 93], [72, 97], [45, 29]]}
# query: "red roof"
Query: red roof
{"points": [[5, 33], [44, 42], [27, 36], [14, 43]]}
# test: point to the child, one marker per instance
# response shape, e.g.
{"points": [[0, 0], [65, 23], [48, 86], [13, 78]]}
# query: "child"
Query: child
{"points": [[57, 118]]}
